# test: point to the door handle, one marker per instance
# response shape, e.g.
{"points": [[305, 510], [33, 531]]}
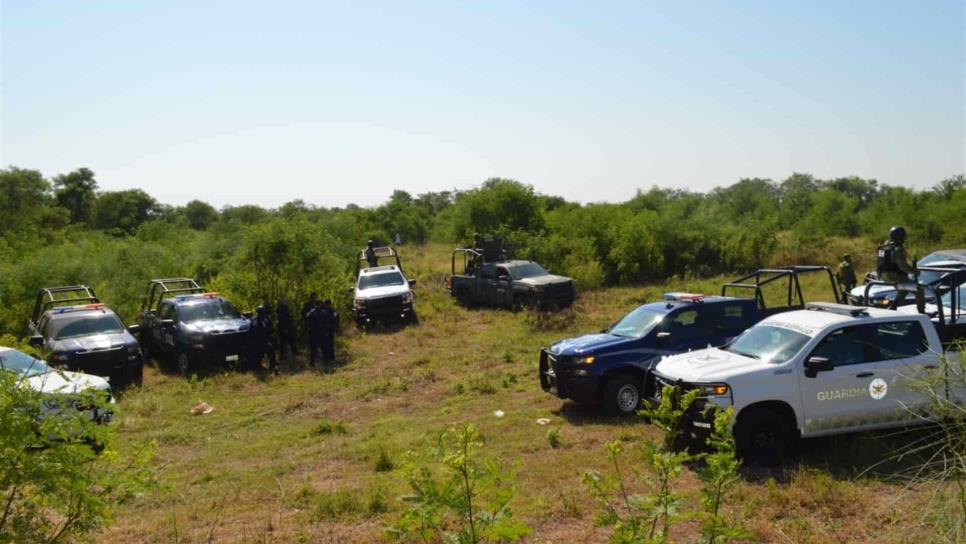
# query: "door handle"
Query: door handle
{"points": [[864, 375]]}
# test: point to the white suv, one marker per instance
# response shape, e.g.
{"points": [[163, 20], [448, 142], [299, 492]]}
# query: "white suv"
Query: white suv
{"points": [[383, 293], [827, 369]]}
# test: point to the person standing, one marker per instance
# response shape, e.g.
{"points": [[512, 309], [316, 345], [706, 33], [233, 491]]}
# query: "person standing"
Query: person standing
{"points": [[313, 328], [371, 254], [892, 266], [262, 335], [845, 273], [286, 328], [329, 325]]}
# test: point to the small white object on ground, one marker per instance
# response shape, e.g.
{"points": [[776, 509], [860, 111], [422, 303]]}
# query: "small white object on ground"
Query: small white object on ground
{"points": [[543, 421], [498, 413], [202, 408]]}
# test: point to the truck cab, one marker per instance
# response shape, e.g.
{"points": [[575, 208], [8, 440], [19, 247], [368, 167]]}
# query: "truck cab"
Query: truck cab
{"points": [[74, 330], [612, 367], [827, 369], [382, 293], [185, 323]]}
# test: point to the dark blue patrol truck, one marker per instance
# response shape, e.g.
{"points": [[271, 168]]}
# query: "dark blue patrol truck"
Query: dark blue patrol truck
{"points": [[612, 367]]}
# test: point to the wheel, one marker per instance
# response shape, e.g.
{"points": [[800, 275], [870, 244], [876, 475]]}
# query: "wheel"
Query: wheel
{"points": [[521, 302], [762, 437], [622, 395], [137, 377], [463, 297], [413, 318], [183, 362]]}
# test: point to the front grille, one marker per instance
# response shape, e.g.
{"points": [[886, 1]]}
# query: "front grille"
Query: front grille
{"points": [[560, 293], [384, 303], [229, 340], [101, 362]]}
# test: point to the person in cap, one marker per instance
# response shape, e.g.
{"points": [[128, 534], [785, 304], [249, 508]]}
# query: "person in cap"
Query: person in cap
{"points": [[262, 339]]}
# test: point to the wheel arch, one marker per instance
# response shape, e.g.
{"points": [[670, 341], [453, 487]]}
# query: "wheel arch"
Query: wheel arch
{"points": [[780, 407]]}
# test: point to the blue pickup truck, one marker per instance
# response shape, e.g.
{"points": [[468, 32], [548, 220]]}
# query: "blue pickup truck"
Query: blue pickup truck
{"points": [[612, 367]]}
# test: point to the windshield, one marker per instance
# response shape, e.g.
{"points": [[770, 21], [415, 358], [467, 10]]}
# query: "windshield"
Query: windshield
{"points": [[769, 344], [529, 270], [637, 323], [940, 261], [381, 280], [86, 325], [960, 298], [208, 311], [22, 364]]}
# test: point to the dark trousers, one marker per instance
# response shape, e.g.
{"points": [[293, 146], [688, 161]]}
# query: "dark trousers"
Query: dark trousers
{"points": [[315, 343], [901, 298], [328, 348], [259, 352], [286, 339]]}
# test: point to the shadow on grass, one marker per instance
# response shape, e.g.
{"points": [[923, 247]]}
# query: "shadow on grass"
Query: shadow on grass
{"points": [[584, 414]]}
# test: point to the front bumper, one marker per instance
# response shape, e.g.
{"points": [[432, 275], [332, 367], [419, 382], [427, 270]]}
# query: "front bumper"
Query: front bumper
{"points": [[118, 365], [218, 348], [378, 310], [559, 378], [697, 422]]}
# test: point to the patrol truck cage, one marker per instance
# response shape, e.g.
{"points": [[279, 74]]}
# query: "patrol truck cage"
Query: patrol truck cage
{"points": [[382, 252], [161, 288], [951, 327], [488, 249], [766, 276], [51, 297]]}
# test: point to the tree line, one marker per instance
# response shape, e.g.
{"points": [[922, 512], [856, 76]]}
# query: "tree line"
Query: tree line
{"points": [[66, 230]]}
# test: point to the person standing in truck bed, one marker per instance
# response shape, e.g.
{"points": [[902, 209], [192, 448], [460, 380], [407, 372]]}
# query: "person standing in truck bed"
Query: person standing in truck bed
{"points": [[892, 266]]}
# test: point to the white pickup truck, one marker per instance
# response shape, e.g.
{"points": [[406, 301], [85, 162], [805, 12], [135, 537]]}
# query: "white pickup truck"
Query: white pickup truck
{"points": [[827, 369]]}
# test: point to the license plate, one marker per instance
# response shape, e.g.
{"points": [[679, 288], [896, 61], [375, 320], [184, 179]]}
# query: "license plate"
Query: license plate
{"points": [[231, 358]]}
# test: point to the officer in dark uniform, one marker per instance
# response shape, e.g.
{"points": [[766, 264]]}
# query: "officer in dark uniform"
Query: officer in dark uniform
{"points": [[313, 328], [286, 328], [371, 254], [845, 273], [306, 308], [892, 266], [330, 324], [262, 339]]}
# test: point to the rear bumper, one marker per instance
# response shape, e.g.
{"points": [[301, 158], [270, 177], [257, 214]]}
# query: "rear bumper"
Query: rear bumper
{"points": [[558, 379]]}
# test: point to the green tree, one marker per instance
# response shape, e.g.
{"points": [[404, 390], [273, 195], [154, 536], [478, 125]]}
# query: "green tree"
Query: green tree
{"points": [[200, 215], [122, 212], [25, 199], [76, 192]]}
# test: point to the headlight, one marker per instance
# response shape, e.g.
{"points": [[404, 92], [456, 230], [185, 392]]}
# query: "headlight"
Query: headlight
{"points": [[358, 304], [59, 357], [586, 360], [133, 349], [713, 389], [407, 298], [196, 337]]}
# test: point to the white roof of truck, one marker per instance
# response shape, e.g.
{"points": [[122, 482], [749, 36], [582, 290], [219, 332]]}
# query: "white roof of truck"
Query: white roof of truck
{"points": [[812, 321]]}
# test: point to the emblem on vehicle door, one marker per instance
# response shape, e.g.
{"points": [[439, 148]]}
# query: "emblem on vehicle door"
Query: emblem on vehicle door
{"points": [[878, 389]]}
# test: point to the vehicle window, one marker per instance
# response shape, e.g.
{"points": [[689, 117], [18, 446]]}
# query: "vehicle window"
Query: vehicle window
{"points": [[208, 310], [381, 280], [44, 324], [768, 343], [898, 340], [688, 324], [528, 270], [844, 347], [637, 323], [86, 326], [502, 274], [166, 311], [22, 364], [732, 320], [488, 272], [960, 298]]}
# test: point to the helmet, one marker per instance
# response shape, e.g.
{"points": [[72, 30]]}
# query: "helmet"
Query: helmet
{"points": [[261, 309], [897, 234]]}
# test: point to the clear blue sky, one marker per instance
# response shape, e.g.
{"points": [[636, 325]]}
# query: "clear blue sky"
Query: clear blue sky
{"points": [[337, 102]]}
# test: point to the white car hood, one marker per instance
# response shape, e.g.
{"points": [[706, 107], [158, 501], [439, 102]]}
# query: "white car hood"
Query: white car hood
{"points": [[709, 365], [219, 325], [379, 292], [64, 382]]}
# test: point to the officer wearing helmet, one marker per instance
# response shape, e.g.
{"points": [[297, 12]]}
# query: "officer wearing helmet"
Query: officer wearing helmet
{"points": [[892, 265]]}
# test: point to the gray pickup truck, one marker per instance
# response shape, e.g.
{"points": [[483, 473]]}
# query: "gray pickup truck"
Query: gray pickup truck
{"points": [[507, 283]]}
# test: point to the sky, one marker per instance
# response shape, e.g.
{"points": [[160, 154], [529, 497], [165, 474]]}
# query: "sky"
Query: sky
{"points": [[342, 102]]}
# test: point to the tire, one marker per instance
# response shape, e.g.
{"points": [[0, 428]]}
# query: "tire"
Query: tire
{"points": [[182, 362], [413, 318], [622, 395], [463, 298], [520, 303], [763, 438], [137, 378]]}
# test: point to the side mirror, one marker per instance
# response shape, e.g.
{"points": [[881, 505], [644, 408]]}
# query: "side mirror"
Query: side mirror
{"points": [[814, 365], [412, 282], [134, 329], [167, 323], [36, 341]]}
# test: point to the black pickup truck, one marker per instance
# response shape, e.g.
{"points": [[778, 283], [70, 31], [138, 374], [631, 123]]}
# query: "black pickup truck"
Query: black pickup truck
{"points": [[488, 278], [182, 321]]}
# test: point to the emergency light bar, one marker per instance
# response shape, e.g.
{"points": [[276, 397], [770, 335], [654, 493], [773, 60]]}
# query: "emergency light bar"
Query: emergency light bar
{"points": [[65, 309], [684, 297]]}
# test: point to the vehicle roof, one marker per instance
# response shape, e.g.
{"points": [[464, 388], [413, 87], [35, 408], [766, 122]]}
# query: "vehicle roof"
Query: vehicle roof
{"points": [[379, 270], [74, 311], [668, 305], [953, 254], [817, 320], [184, 300], [514, 262]]}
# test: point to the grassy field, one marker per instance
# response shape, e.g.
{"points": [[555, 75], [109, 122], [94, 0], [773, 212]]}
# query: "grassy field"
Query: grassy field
{"points": [[294, 458]]}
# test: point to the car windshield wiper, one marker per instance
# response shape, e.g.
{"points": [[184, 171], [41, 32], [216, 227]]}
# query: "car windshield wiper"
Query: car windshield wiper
{"points": [[743, 354]]}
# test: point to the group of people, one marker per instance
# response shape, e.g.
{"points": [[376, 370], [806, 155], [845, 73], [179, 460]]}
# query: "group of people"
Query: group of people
{"points": [[319, 322], [891, 265]]}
